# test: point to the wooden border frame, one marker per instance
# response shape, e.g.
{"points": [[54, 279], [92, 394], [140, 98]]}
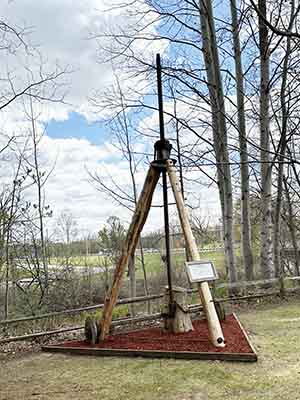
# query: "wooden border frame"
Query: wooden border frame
{"points": [[186, 355], [183, 355], [245, 334]]}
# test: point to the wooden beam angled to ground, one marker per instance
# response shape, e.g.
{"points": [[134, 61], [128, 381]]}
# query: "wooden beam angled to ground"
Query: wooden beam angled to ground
{"points": [[136, 226], [214, 326]]}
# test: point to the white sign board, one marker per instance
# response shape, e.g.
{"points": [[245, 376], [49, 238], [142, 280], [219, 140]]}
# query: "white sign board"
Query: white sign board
{"points": [[201, 271]]}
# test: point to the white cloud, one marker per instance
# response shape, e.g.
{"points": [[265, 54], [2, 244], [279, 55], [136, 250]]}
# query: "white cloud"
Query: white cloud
{"points": [[59, 30]]}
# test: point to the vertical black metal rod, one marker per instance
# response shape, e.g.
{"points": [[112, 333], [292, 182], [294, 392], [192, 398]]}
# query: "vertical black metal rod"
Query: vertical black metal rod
{"points": [[165, 185], [167, 240], [160, 98]]}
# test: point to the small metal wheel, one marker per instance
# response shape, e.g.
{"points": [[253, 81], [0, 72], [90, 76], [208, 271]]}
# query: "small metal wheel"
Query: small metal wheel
{"points": [[91, 330], [220, 311]]}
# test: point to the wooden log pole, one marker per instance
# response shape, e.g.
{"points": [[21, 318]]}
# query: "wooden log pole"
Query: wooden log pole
{"points": [[135, 228], [214, 326]]}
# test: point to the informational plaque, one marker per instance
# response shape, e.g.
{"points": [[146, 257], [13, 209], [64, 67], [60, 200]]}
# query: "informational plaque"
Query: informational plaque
{"points": [[201, 271]]}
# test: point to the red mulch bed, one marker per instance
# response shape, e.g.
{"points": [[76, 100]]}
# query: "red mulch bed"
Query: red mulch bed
{"points": [[158, 339]]}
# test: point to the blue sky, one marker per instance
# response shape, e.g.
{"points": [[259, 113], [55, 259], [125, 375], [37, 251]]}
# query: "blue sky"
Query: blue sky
{"points": [[77, 126]]}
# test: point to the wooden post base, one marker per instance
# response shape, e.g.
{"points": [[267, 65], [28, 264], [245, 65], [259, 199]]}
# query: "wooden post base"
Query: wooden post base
{"points": [[180, 322]]}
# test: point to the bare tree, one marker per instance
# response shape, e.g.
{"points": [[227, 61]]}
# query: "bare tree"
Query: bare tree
{"points": [[123, 138], [244, 168], [40, 179], [266, 253], [217, 103], [281, 158], [9, 219], [291, 226], [66, 226]]}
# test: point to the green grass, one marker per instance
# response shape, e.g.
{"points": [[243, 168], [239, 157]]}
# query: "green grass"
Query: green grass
{"points": [[274, 330], [89, 261], [153, 262]]}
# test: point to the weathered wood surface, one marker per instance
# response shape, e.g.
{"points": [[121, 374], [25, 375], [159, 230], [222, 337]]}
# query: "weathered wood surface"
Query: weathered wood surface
{"points": [[245, 334], [136, 226], [214, 326], [181, 322], [183, 355]]}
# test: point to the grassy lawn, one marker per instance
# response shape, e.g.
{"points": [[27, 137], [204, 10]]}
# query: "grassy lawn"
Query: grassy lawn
{"points": [[274, 330]]}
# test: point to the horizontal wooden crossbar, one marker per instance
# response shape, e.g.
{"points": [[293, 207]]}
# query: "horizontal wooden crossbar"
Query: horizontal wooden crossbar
{"points": [[142, 299]]}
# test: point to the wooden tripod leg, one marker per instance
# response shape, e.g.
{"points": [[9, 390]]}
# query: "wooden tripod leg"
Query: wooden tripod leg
{"points": [[137, 223], [214, 327]]}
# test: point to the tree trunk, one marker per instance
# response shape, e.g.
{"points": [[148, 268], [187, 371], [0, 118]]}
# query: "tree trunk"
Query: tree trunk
{"points": [[291, 224], [7, 244], [179, 156], [146, 288], [266, 252], [132, 169], [40, 199], [132, 280], [215, 86], [6, 298], [245, 203], [282, 151]]}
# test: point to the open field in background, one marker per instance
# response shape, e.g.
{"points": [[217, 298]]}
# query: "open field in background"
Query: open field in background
{"points": [[153, 261], [274, 331], [154, 264], [90, 260]]}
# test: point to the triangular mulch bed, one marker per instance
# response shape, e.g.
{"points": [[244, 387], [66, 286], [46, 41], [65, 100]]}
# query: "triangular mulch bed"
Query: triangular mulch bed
{"points": [[156, 343]]}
